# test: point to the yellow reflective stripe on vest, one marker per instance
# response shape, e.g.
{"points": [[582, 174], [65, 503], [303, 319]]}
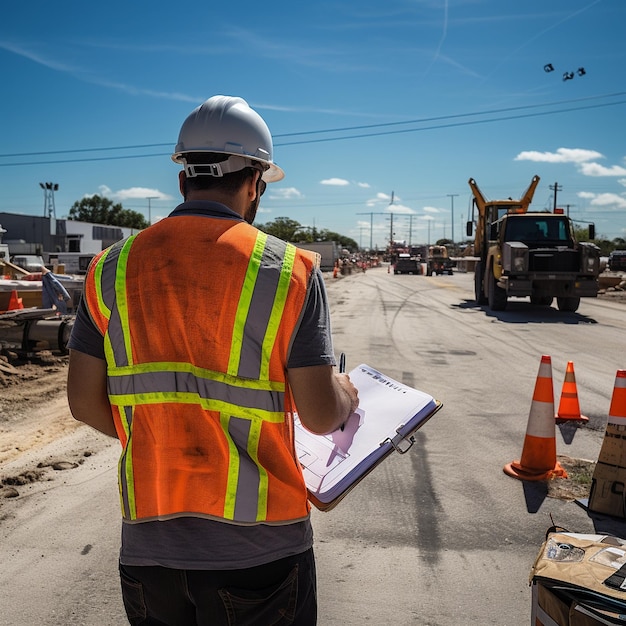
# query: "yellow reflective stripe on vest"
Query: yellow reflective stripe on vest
{"points": [[277, 309], [120, 297], [127, 478], [245, 298], [104, 309]]}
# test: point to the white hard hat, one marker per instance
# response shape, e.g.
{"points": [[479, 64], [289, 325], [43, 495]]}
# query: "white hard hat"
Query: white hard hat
{"points": [[226, 125]]}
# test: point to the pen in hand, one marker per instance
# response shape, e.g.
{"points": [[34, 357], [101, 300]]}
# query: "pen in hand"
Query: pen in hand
{"points": [[342, 370]]}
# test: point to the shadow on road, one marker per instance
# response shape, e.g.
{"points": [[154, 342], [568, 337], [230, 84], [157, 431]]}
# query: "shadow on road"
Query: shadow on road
{"points": [[535, 492], [526, 313]]}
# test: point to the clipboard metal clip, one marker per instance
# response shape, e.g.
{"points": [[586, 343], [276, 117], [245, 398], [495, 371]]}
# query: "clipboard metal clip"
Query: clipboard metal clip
{"points": [[401, 443]]}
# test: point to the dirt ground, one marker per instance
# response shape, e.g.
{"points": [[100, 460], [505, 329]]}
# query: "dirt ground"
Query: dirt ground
{"points": [[34, 421]]}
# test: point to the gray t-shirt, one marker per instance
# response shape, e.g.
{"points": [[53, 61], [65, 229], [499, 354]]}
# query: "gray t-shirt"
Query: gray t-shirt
{"points": [[197, 543]]}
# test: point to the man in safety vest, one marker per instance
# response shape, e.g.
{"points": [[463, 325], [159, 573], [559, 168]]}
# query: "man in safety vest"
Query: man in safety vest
{"points": [[198, 374]]}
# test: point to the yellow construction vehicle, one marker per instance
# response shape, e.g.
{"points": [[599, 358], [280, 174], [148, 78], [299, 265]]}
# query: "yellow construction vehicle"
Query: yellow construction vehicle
{"points": [[522, 253]]}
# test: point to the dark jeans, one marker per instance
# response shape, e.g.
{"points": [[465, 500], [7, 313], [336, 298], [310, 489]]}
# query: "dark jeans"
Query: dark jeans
{"points": [[281, 592]]}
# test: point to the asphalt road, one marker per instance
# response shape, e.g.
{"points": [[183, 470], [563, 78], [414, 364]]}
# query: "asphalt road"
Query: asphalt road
{"points": [[438, 536]]}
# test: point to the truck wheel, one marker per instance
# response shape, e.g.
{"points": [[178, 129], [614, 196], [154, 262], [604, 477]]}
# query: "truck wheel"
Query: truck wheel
{"points": [[479, 295], [568, 304], [497, 295]]}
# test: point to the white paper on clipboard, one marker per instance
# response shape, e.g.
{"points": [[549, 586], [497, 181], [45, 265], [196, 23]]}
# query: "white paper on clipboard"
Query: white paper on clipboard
{"points": [[389, 413]]}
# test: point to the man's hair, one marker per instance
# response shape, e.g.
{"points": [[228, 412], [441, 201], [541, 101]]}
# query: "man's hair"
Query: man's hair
{"points": [[229, 183]]}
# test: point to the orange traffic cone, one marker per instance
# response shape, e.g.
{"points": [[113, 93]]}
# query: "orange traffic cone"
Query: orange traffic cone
{"points": [[569, 408], [15, 302], [538, 460], [607, 484]]}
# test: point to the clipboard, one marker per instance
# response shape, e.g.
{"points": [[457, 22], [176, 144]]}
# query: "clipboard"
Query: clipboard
{"points": [[386, 420]]}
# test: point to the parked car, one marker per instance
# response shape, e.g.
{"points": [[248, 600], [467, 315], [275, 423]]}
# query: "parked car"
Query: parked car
{"points": [[617, 261]]}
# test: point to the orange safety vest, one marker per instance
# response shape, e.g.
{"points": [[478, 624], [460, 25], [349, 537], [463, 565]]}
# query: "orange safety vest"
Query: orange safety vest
{"points": [[197, 316]]}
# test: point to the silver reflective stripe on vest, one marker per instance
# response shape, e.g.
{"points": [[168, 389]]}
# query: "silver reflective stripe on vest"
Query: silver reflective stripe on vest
{"points": [[128, 386], [253, 355], [110, 286], [248, 476]]}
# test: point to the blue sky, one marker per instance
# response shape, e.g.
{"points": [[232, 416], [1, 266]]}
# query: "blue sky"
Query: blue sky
{"points": [[367, 102]]}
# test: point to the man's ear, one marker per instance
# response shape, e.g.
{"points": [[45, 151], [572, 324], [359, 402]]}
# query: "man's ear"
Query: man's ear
{"points": [[253, 192], [182, 183]]}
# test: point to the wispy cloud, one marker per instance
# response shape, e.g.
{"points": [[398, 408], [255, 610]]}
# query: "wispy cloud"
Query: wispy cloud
{"points": [[28, 52], [540, 34], [444, 33]]}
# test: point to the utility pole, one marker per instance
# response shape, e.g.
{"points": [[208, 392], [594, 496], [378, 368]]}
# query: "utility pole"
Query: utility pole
{"points": [[410, 230], [556, 187], [150, 208], [452, 196], [372, 224], [567, 206]]}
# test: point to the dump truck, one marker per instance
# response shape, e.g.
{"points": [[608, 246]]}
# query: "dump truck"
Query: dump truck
{"points": [[438, 262], [523, 253]]}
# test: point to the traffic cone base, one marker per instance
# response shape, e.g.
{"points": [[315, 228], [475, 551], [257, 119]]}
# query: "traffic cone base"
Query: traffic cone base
{"points": [[515, 470], [569, 408], [538, 460]]}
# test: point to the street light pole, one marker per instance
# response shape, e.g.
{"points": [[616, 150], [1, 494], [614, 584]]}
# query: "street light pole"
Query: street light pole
{"points": [[48, 198]]}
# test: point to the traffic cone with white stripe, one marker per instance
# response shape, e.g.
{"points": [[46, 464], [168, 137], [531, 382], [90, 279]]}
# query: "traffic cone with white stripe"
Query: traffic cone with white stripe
{"points": [[538, 460], [569, 407], [608, 491]]}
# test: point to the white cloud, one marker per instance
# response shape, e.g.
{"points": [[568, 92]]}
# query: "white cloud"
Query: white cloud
{"points": [[431, 209], [622, 182], [562, 155], [335, 182], [288, 193], [400, 208], [607, 200], [363, 185], [143, 193], [133, 193], [595, 169], [380, 198]]}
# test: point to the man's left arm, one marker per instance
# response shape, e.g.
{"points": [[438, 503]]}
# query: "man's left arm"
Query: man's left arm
{"points": [[87, 392]]}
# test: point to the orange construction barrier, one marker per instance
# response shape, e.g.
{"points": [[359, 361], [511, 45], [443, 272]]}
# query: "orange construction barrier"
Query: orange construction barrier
{"points": [[569, 407], [538, 461], [15, 302], [607, 494]]}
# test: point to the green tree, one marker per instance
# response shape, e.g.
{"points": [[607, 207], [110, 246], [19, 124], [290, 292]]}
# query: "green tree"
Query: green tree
{"points": [[100, 210], [282, 227], [344, 242], [290, 230]]}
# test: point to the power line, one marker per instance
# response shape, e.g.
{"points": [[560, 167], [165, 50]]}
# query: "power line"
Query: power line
{"points": [[335, 130]]}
